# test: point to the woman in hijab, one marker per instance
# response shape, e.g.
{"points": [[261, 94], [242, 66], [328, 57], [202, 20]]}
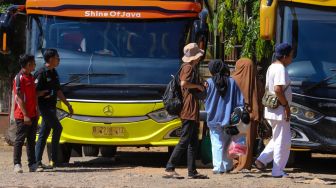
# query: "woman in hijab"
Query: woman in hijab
{"points": [[222, 96], [245, 75]]}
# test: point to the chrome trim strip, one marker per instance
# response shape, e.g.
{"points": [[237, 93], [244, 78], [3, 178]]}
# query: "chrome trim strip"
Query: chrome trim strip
{"points": [[114, 101], [330, 118], [329, 99], [95, 119]]}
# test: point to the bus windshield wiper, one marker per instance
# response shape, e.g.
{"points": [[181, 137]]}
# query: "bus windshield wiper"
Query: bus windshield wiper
{"points": [[81, 76], [320, 83]]}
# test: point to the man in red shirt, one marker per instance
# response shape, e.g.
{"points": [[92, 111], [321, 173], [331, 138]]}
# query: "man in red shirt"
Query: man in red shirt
{"points": [[25, 113]]}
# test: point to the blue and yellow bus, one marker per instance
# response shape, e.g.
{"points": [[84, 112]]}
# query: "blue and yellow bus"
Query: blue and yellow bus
{"points": [[116, 59]]}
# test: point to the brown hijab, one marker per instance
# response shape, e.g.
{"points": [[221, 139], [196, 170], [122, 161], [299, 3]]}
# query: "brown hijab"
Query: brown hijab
{"points": [[245, 75]]}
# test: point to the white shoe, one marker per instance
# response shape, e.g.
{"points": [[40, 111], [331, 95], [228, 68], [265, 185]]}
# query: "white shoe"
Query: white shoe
{"points": [[18, 168]]}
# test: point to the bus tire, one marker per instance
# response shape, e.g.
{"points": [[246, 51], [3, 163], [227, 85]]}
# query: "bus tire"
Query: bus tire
{"points": [[63, 153], [91, 151], [298, 157], [108, 151]]}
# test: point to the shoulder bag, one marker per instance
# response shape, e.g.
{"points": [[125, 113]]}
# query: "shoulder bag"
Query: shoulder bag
{"points": [[269, 99]]}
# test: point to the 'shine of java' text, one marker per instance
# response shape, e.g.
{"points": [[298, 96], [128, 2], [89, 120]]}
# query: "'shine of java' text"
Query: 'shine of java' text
{"points": [[119, 14]]}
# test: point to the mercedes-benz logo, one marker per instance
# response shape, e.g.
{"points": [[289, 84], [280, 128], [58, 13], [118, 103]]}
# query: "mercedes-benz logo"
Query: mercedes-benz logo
{"points": [[108, 110]]}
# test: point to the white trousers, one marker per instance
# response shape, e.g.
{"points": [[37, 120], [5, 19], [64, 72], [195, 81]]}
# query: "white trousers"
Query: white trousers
{"points": [[278, 148], [219, 144]]}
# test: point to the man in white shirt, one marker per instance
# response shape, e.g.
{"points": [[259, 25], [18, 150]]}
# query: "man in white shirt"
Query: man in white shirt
{"points": [[278, 82]]}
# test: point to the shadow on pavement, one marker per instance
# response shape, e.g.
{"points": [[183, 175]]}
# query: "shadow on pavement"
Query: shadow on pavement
{"points": [[317, 165], [132, 159], [123, 159]]}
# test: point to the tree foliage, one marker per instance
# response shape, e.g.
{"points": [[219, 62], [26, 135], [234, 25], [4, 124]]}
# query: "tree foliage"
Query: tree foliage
{"points": [[3, 7], [238, 21], [8, 62]]}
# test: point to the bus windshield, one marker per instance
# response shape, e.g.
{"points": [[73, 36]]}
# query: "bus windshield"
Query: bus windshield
{"points": [[312, 33], [114, 51]]}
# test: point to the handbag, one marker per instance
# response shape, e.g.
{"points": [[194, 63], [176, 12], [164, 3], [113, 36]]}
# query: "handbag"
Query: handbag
{"points": [[239, 121], [269, 99]]}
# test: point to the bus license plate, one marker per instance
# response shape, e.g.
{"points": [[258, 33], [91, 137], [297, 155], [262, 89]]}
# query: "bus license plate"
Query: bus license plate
{"points": [[107, 131]]}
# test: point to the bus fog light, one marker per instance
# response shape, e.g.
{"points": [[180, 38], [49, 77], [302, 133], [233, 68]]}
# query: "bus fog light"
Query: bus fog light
{"points": [[294, 110], [61, 114], [305, 114], [310, 115], [176, 133], [161, 116], [293, 134]]}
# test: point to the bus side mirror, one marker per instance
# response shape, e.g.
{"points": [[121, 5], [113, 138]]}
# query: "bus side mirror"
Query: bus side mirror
{"points": [[5, 22], [3, 39], [268, 9], [7, 26], [200, 30]]}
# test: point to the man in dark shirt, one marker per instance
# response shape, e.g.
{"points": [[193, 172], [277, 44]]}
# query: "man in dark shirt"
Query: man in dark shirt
{"points": [[189, 115], [48, 82]]}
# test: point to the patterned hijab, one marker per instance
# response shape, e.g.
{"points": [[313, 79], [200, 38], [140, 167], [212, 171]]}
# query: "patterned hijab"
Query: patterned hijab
{"points": [[245, 76]]}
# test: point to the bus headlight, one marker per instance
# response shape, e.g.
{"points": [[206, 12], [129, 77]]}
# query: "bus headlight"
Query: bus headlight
{"points": [[161, 116], [61, 114], [305, 114]]}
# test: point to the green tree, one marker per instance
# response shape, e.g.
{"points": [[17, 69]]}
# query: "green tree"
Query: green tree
{"points": [[238, 22], [8, 62]]}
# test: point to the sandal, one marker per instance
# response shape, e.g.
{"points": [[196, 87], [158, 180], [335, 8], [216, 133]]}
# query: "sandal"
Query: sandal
{"points": [[198, 176], [259, 165], [172, 175]]}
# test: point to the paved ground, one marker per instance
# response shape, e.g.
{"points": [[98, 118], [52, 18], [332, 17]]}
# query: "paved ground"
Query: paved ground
{"points": [[140, 167]]}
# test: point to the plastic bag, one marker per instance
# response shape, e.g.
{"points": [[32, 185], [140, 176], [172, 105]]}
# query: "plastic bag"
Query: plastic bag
{"points": [[237, 146]]}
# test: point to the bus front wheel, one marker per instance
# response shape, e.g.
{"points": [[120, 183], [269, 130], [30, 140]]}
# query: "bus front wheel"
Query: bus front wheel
{"points": [[108, 151], [63, 153], [91, 151]]}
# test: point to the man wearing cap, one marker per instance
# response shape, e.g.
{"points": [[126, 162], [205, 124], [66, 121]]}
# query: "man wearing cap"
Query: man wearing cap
{"points": [[278, 82], [189, 114]]}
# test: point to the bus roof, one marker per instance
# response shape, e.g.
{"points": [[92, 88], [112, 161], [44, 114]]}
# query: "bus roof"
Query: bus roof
{"points": [[328, 3], [120, 9]]}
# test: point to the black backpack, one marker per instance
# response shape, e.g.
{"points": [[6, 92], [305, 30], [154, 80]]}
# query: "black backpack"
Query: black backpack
{"points": [[172, 98]]}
